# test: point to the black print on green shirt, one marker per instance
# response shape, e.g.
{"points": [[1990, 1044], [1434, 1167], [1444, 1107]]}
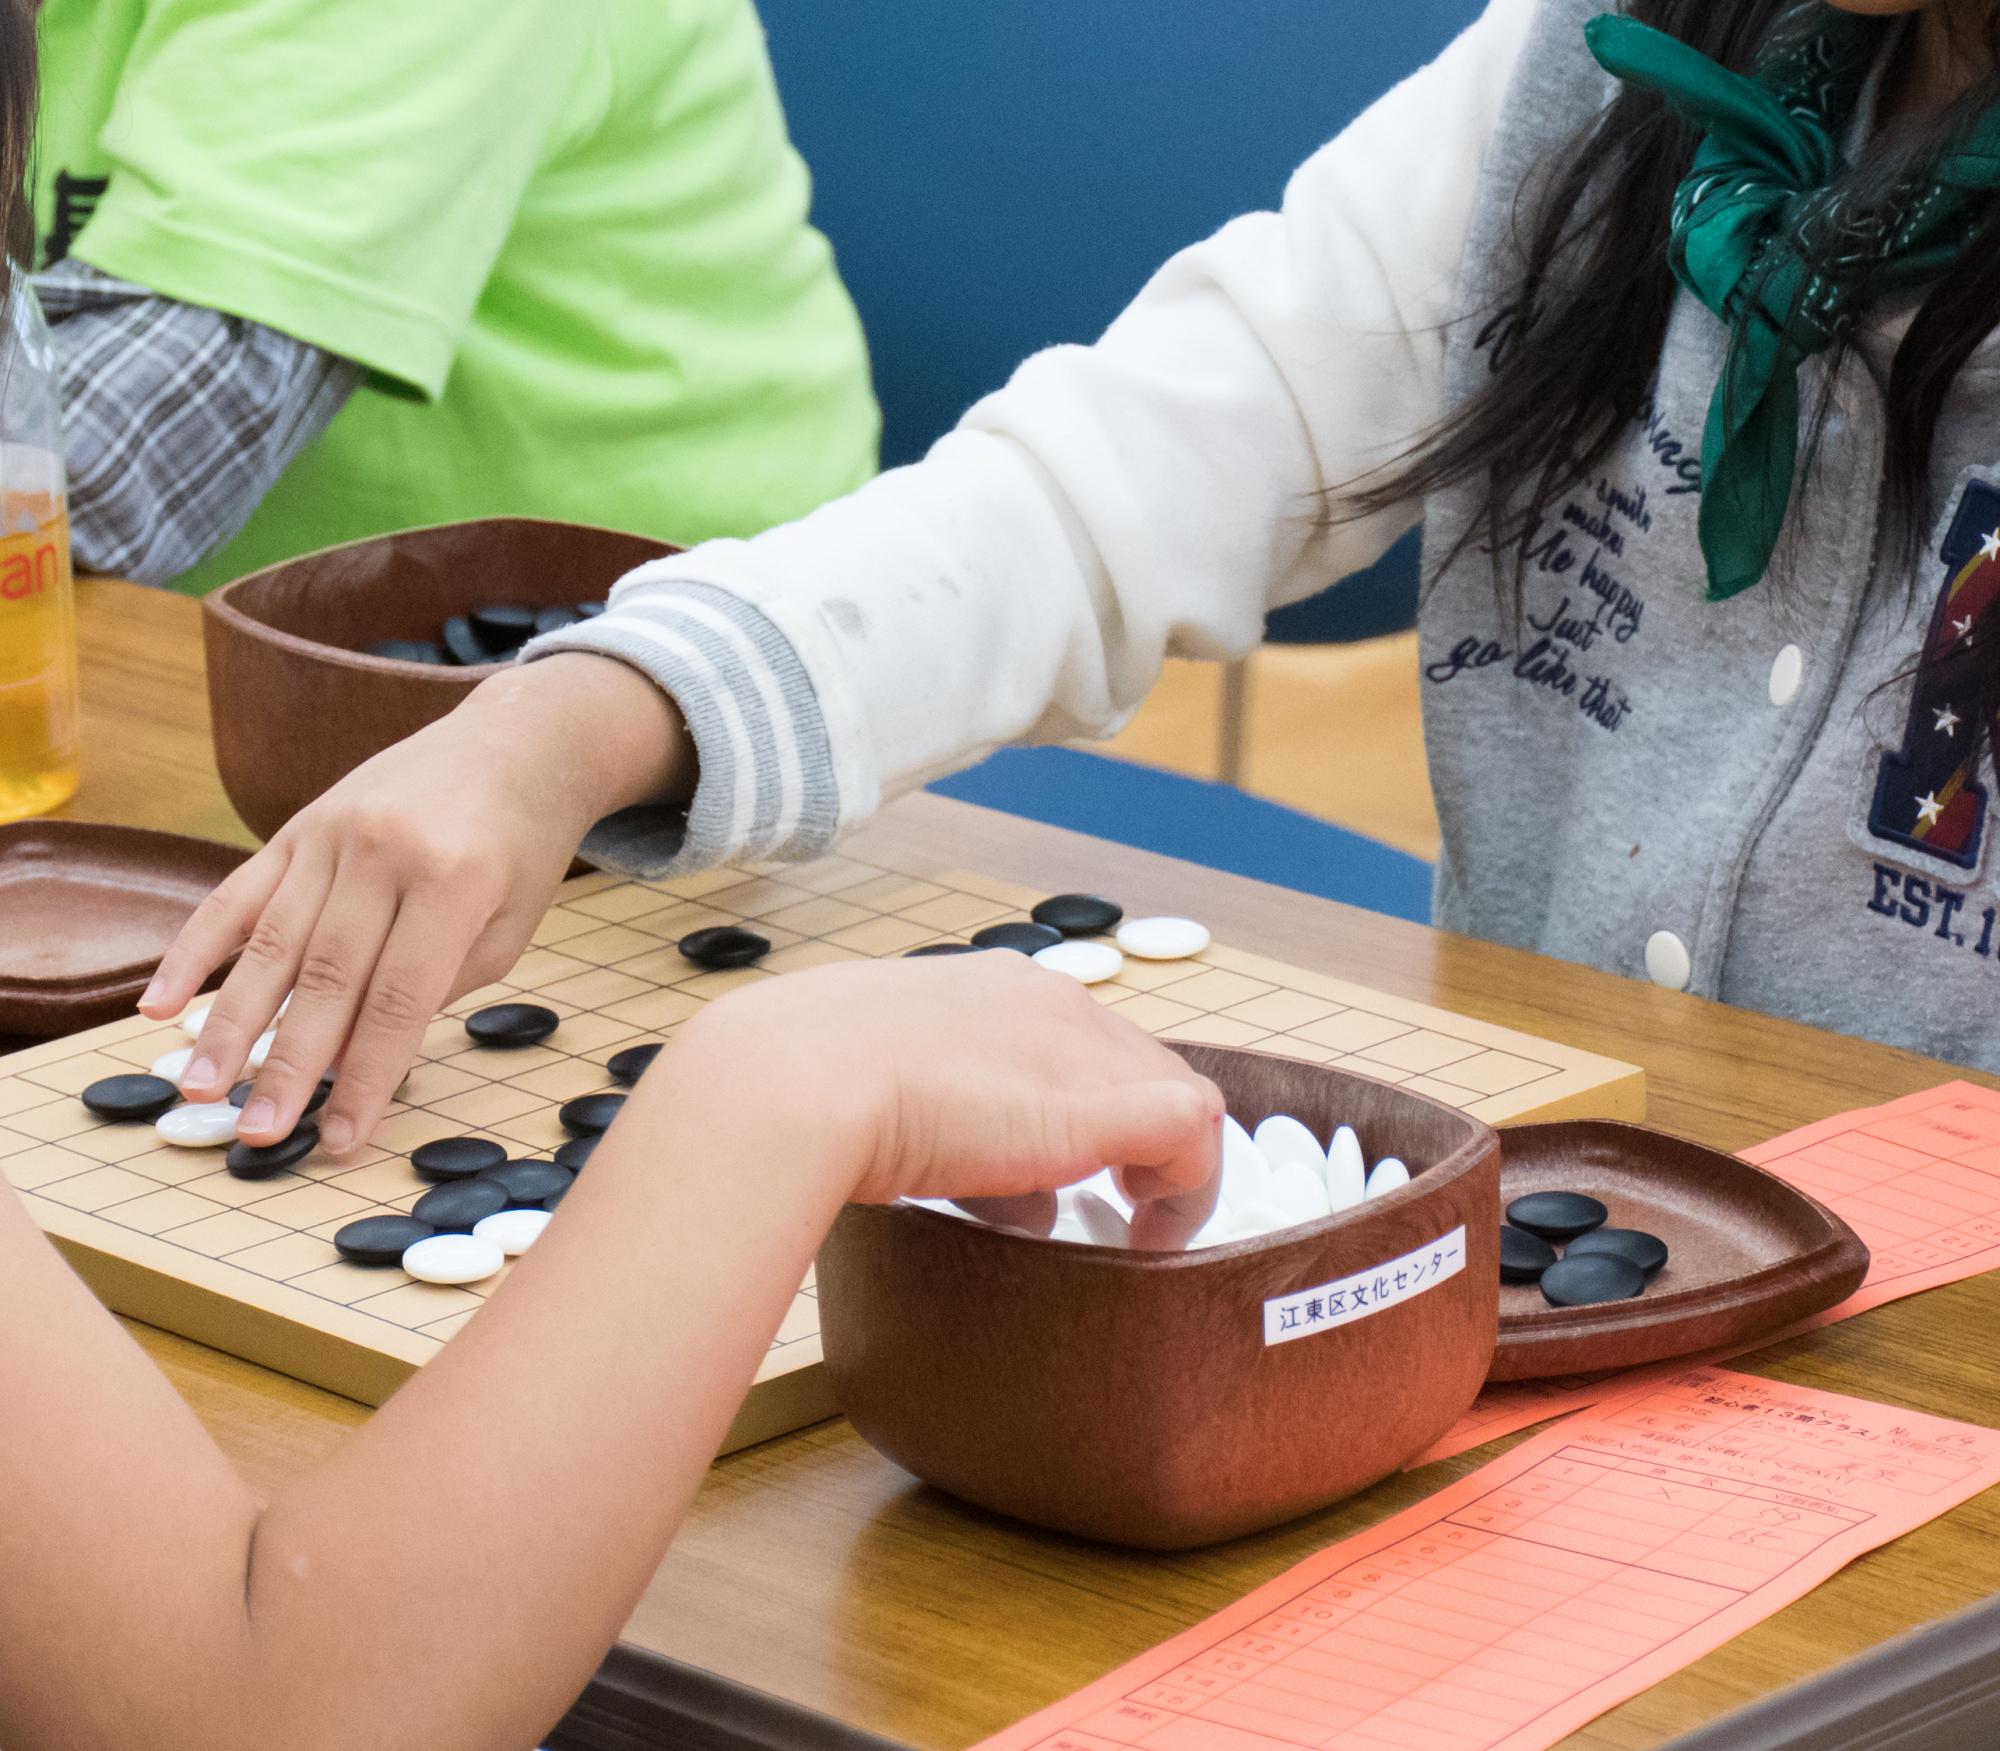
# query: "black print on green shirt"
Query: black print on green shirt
{"points": [[1582, 611], [76, 198]]}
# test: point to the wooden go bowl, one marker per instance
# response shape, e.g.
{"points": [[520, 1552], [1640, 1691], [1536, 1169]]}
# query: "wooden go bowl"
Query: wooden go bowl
{"points": [[298, 703], [1132, 1397]]}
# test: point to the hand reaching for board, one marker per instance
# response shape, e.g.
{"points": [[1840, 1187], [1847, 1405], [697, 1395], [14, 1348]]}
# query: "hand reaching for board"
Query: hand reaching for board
{"points": [[415, 879]]}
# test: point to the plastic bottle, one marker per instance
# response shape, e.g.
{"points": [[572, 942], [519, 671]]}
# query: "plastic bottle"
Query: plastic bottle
{"points": [[38, 715]]}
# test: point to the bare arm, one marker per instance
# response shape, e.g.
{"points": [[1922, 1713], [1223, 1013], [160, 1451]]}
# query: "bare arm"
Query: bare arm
{"points": [[451, 1575]]}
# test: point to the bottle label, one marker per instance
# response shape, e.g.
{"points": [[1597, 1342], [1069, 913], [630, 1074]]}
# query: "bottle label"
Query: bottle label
{"points": [[34, 564]]}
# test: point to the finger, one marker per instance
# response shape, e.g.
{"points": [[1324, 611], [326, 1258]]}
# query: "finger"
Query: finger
{"points": [[251, 994], [1032, 1212], [215, 930], [1167, 1224], [429, 943], [327, 989]]}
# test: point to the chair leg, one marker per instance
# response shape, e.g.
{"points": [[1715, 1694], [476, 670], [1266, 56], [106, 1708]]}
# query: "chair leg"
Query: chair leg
{"points": [[1235, 710]]}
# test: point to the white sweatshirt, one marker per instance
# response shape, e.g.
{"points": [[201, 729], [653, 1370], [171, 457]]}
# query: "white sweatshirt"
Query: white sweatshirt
{"points": [[1152, 495]]}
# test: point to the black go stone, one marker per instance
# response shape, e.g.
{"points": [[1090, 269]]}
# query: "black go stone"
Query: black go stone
{"points": [[1078, 914], [577, 1151], [454, 1158], [590, 1114], [1557, 1215], [380, 1240], [1588, 1278], [527, 1183], [724, 945], [589, 610], [555, 619], [556, 1197], [632, 1063], [453, 1209], [314, 1101], [504, 626], [511, 1024], [1647, 1251], [1523, 1256], [1025, 939], [410, 650], [463, 645], [260, 1161], [939, 948], [131, 1099]]}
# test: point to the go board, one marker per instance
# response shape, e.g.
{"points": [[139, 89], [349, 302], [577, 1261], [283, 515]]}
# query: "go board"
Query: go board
{"points": [[167, 1236]]}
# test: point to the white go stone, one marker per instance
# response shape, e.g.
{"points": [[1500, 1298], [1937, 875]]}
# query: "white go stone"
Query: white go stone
{"points": [[1104, 1185], [1282, 1139], [512, 1231], [1081, 959], [194, 1019], [207, 1126], [1102, 1223], [944, 1206], [453, 1258], [260, 1049], [1390, 1175], [1162, 939], [1298, 1190], [1254, 1221], [1346, 1170], [173, 1066], [1071, 1229], [1246, 1175]]}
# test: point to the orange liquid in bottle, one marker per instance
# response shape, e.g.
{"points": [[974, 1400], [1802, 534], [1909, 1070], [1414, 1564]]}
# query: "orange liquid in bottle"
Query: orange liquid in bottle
{"points": [[38, 733]]}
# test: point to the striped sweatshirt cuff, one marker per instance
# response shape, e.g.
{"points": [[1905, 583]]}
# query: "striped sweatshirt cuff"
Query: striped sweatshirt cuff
{"points": [[766, 786]]}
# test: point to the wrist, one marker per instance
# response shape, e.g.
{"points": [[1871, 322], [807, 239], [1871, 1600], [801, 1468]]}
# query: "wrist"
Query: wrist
{"points": [[616, 740], [810, 1105]]}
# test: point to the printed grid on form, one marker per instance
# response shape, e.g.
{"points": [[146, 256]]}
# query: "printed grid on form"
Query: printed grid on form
{"points": [[1918, 1179], [603, 959], [1546, 1587]]}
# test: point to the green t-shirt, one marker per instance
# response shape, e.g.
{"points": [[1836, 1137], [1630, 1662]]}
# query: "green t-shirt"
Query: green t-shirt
{"points": [[567, 238]]}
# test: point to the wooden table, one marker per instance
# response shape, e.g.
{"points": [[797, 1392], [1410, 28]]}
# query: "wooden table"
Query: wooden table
{"points": [[814, 1570]]}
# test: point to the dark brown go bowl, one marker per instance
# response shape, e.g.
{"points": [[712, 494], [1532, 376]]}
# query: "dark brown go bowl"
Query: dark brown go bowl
{"points": [[1747, 1254], [296, 700], [1131, 1396]]}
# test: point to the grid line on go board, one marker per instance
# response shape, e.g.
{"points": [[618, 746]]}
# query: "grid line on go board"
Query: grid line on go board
{"points": [[604, 958]]}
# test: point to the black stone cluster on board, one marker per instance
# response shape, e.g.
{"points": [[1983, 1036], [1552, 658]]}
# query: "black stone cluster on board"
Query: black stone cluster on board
{"points": [[1059, 916]]}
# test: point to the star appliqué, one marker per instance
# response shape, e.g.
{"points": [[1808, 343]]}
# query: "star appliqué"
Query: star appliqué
{"points": [[1928, 810], [1990, 547], [1947, 720], [1963, 628]]}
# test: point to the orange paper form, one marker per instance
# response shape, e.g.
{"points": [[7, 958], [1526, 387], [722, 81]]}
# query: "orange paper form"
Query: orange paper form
{"points": [[1917, 1179], [1549, 1585]]}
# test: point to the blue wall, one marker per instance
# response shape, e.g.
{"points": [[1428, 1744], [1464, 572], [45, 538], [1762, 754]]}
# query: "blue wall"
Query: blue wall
{"points": [[997, 175]]}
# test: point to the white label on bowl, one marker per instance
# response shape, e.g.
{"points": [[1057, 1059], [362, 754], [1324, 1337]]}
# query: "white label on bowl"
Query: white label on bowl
{"points": [[1306, 1311]]}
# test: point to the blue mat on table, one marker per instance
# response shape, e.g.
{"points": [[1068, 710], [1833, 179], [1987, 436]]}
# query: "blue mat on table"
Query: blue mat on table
{"points": [[1189, 818]]}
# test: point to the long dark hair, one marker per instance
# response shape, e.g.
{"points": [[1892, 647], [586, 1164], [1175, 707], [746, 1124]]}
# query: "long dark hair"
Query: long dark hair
{"points": [[1573, 349], [17, 131]]}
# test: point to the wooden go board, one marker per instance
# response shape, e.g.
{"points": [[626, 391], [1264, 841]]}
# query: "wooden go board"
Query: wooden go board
{"points": [[167, 1236]]}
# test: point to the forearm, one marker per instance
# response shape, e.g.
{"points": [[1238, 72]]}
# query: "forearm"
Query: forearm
{"points": [[516, 1494], [492, 1502]]}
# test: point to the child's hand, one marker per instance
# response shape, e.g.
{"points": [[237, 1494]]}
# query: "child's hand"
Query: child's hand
{"points": [[415, 879], [977, 1076]]}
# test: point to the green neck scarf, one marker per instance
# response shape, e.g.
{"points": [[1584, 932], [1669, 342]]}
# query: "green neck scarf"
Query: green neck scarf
{"points": [[1751, 230]]}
